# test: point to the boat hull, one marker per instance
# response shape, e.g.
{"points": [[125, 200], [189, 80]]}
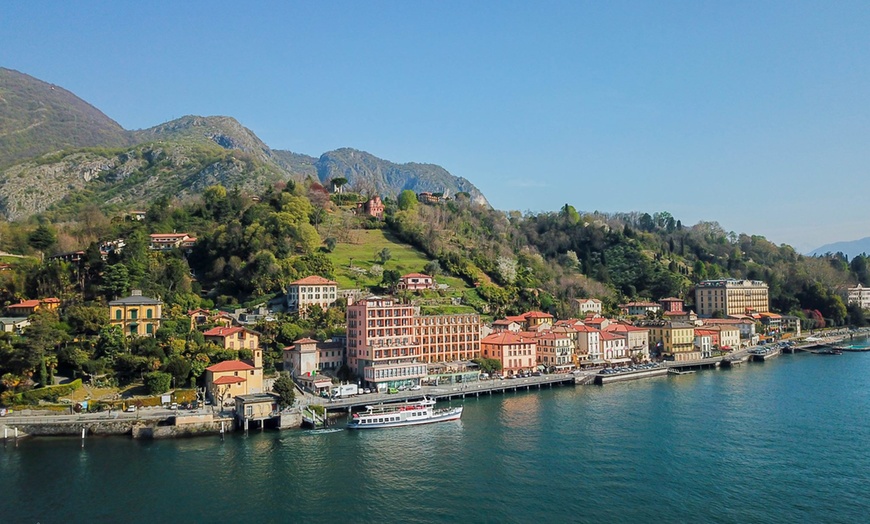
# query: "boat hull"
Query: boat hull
{"points": [[452, 414]]}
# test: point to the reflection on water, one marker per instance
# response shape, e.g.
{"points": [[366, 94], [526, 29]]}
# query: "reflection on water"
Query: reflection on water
{"points": [[779, 441]]}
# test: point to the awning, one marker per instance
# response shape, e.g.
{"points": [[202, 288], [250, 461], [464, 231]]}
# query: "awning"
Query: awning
{"points": [[618, 360]]}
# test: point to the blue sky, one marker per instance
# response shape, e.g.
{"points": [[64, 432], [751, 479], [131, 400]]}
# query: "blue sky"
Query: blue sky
{"points": [[752, 114]]}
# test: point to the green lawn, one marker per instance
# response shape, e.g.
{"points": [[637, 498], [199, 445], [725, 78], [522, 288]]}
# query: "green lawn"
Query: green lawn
{"points": [[361, 253]]}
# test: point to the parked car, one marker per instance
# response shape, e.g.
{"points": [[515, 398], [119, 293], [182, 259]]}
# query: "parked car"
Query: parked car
{"points": [[367, 390], [416, 387], [130, 409]]}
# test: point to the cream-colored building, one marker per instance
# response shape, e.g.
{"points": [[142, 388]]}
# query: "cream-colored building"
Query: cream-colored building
{"points": [[555, 350], [860, 295], [731, 297], [309, 291], [136, 315], [584, 306]]}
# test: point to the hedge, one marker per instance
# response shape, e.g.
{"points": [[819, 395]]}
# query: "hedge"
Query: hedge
{"points": [[48, 393]]}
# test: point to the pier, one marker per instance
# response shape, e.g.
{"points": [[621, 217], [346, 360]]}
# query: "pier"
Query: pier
{"points": [[454, 391]]}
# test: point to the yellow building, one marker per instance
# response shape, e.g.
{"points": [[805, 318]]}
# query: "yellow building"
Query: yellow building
{"points": [[673, 339], [233, 337], [136, 315], [731, 297], [226, 380]]}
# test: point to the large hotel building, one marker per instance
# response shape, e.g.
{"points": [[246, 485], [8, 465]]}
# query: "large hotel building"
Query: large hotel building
{"points": [[389, 343], [731, 297]]}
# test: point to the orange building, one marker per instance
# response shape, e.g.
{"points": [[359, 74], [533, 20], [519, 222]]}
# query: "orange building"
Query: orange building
{"points": [[29, 307], [513, 351]]}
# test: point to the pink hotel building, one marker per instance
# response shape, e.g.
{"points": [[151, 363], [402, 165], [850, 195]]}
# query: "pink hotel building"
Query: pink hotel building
{"points": [[389, 344]]}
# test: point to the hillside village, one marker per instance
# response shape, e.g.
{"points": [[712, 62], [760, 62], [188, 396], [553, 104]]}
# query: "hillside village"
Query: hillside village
{"points": [[191, 256]]}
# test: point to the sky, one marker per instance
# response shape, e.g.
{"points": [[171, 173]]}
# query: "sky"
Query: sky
{"points": [[752, 114]]}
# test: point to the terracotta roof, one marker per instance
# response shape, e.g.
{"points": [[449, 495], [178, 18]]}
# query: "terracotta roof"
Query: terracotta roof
{"points": [[305, 341], [537, 314], [220, 381], [503, 322], [314, 280], [605, 335], [516, 318], [416, 275], [622, 328], [26, 303], [505, 337], [582, 328], [222, 331], [50, 300], [230, 365]]}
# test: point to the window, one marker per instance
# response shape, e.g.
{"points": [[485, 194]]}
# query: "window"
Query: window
{"points": [[117, 314], [149, 313], [149, 329], [134, 313]]}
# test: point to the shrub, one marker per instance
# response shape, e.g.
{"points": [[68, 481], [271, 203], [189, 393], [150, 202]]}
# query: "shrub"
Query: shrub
{"points": [[157, 382]]}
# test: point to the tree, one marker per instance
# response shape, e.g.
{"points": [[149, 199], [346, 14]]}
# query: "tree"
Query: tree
{"points": [[42, 238], [384, 255], [407, 200], [338, 182], [286, 390], [116, 280], [488, 365], [157, 382], [432, 268]]}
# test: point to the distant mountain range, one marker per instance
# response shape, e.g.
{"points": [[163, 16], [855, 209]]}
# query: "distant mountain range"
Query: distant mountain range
{"points": [[55, 148], [849, 248]]}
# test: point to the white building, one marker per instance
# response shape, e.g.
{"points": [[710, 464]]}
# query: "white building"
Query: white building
{"points": [[585, 306], [860, 295], [306, 292]]}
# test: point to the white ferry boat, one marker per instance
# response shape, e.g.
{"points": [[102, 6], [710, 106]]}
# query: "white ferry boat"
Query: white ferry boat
{"points": [[407, 414]]}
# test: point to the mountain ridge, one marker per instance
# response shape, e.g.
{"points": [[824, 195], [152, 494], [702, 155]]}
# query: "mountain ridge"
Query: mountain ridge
{"points": [[32, 179], [850, 248]]}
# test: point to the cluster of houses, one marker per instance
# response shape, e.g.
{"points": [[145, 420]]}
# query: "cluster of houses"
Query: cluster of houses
{"points": [[390, 344]]}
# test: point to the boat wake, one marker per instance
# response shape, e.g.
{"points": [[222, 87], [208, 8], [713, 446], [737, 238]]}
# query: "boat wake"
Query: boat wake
{"points": [[324, 431]]}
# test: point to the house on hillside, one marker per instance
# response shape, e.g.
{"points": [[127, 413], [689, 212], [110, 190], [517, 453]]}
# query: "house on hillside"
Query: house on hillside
{"points": [[136, 315], [373, 207], [416, 282], [29, 307], [308, 291]]}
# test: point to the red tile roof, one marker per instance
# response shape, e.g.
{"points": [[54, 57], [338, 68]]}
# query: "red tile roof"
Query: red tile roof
{"points": [[537, 314], [230, 365], [416, 275], [220, 381], [314, 280], [222, 331], [305, 341], [504, 338], [26, 303]]}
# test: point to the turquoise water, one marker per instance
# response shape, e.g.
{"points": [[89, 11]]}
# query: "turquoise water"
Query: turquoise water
{"points": [[781, 441]]}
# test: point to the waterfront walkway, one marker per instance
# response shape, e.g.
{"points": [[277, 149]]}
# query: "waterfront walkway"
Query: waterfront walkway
{"points": [[462, 390]]}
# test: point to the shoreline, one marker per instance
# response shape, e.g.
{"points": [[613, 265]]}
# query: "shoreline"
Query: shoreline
{"points": [[172, 424]]}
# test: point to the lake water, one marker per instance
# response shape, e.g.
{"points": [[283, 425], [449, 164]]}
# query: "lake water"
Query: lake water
{"points": [[780, 441]]}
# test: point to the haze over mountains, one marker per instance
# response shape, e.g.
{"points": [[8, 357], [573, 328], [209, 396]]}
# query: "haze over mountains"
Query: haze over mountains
{"points": [[55, 147], [849, 248]]}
